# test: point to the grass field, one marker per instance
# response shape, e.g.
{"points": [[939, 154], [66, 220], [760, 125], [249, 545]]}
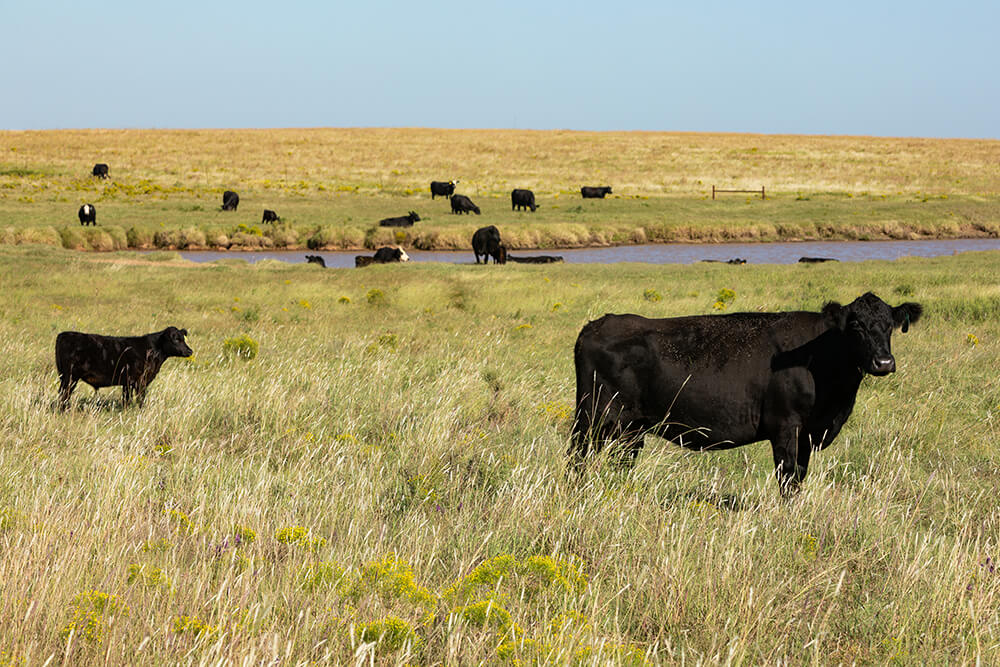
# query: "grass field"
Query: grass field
{"points": [[384, 481], [331, 186]]}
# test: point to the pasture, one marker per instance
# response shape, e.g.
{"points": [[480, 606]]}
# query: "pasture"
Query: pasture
{"points": [[332, 186], [384, 479]]}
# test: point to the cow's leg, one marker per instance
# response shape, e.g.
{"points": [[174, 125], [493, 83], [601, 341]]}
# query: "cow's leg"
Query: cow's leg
{"points": [[787, 467], [127, 391], [66, 386]]}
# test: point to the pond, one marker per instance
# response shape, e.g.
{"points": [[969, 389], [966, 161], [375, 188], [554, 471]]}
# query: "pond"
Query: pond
{"points": [[685, 253]]}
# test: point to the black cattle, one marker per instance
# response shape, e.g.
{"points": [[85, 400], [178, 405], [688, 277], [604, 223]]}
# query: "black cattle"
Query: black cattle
{"points": [[401, 221], [816, 260], [230, 200], [316, 259], [520, 199], [443, 188], [486, 242], [590, 192], [723, 381], [462, 204], [87, 215], [734, 260], [100, 170], [105, 361], [535, 259], [269, 216], [363, 260]]}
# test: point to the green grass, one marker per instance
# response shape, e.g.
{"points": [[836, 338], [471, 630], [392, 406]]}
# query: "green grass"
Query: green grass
{"points": [[387, 475]]}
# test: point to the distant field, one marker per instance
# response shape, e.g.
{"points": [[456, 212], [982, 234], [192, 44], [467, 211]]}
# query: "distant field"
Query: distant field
{"points": [[331, 186], [383, 483]]}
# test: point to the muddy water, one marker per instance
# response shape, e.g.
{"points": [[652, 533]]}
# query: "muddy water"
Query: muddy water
{"points": [[753, 253]]}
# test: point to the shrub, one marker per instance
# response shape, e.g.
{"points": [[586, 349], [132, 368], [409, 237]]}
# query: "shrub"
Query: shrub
{"points": [[391, 633], [139, 238], [375, 296], [241, 347], [651, 295]]}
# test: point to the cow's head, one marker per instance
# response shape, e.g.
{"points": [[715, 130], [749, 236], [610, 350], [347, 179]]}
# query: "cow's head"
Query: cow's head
{"points": [[868, 322], [172, 343], [414, 217], [402, 256]]}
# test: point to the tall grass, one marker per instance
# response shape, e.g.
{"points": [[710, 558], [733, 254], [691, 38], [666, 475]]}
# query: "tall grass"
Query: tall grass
{"points": [[384, 480]]}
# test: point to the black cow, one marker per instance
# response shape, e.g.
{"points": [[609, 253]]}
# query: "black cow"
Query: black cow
{"points": [[816, 260], [87, 215], [520, 199], [486, 242], [723, 381], [535, 259], [401, 221], [734, 260], [590, 192], [462, 204], [269, 215], [316, 259], [100, 170], [105, 361], [230, 200], [443, 188], [363, 260]]}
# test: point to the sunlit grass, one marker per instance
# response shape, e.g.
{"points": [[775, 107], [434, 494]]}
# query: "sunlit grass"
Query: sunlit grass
{"points": [[387, 476]]}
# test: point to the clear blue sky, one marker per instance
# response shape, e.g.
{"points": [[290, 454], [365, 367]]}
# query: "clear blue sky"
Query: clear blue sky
{"points": [[891, 69]]}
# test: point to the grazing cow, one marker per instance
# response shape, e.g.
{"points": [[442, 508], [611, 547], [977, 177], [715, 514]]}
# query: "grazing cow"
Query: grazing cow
{"points": [[590, 192], [230, 200], [401, 221], [520, 199], [269, 216], [816, 260], [316, 259], [486, 242], [105, 361], [100, 170], [535, 259], [87, 215], [443, 188], [462, 204], [723, 381]]}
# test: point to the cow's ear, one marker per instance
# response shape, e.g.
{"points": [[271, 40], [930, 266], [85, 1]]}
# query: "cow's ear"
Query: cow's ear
{"points": [[837, 315], [184, 332], [906, 314]]}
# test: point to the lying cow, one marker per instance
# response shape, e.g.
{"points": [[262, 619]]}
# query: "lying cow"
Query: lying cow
{"points": [[816, 260], [100, 170], [462, 204], [535, 259], [590, 192], [269, 216], [443, 188], [521, 199], [315, 259], [486, 242], [106, 361], [384, 255], [734, 260], [723, 381], [230, 200], [401, 221], [87, 215]]}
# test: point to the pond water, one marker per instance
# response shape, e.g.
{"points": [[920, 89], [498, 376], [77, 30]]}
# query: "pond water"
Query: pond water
{"points": [[685, 253]]}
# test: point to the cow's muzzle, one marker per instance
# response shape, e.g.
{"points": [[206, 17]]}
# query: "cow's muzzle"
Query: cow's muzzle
{"points": [[882, 365]]}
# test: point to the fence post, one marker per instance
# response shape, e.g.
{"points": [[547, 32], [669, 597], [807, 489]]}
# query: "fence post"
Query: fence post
{"points": [[762, 197], [713, 193]]}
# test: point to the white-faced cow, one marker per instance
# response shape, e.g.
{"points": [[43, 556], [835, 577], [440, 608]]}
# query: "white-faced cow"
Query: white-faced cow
{"points": [[401, 221], [521, 199], [230, 200], [443, 188], [269, 216], [87, 215], [100, 170], [462, 204], [592, 192], [384, 255], [131, 362], [721, 381], [486, 242]]}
